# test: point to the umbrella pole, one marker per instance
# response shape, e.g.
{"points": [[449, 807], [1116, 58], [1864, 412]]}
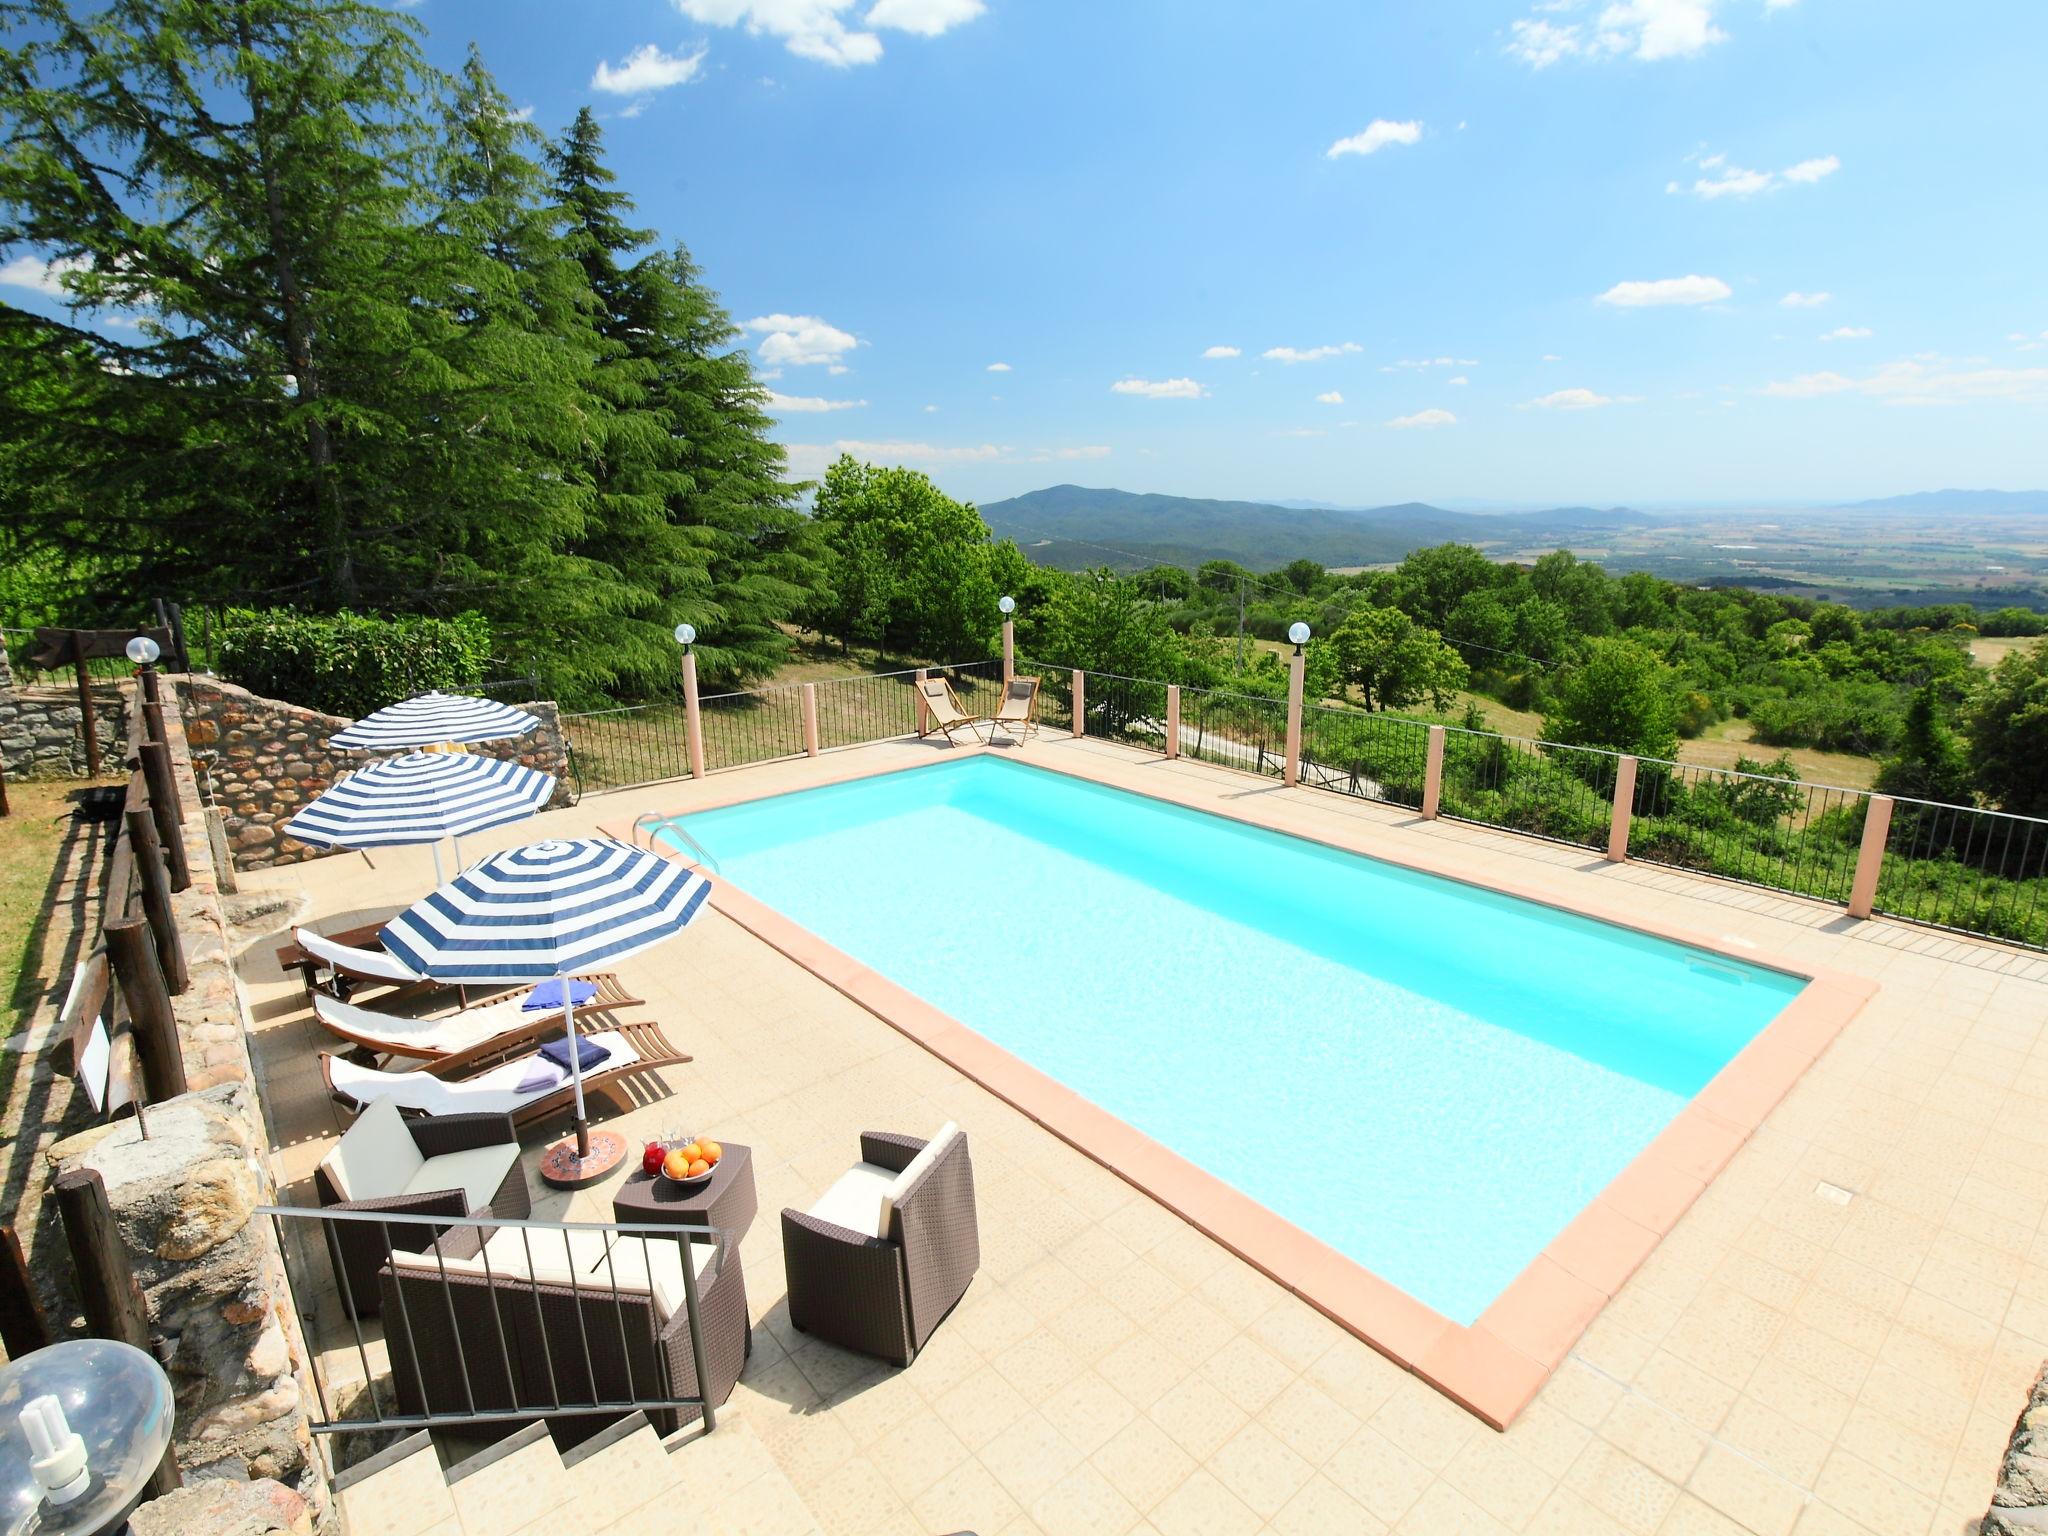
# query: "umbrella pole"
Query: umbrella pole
{"points": [[575, 1069], [439, 878], [459, 865]]}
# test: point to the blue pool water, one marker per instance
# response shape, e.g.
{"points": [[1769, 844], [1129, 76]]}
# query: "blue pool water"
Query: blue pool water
{"points": [[1432, 1078]]}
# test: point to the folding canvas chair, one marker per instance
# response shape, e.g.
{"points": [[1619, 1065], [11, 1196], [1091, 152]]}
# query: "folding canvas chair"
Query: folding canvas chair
{"points": [[943, 711]]}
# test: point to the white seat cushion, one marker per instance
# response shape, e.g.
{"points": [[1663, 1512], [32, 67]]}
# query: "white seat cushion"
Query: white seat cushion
{"points": [[504, 1257], [477, 1173], [855, 1202], [376, 1158], [376, 963], [899, 1186], [494, 1092]]}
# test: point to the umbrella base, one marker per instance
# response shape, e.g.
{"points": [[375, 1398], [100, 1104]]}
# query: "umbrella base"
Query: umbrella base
{"points": [[561, 1168]]}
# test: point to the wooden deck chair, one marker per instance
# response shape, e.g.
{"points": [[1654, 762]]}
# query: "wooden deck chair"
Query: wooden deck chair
{"points": [[341, 964], [1018, 713], [454, 1085], [943, 711], [502, 1021]]}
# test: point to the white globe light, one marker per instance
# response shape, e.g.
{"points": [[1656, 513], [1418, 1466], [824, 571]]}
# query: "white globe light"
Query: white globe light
{"points": [[1007, 604], [143, 651], [685, 633], [1298, 632]]}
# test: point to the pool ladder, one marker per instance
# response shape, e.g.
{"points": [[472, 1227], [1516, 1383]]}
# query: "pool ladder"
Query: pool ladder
{"points": [[675, 829]]}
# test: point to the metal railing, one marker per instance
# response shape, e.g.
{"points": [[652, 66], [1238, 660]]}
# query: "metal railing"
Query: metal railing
{"points": [[1370, 756], [1247, 731], [1973, 871], [473, 1347], [1540, 788], [1759, 829]]}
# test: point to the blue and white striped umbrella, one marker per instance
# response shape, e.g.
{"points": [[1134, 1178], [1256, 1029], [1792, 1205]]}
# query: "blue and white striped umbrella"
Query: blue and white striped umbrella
{"points": [[421, 797], [431, 718], [548, 910]]}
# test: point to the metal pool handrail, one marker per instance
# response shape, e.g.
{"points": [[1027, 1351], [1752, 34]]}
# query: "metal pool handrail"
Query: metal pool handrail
{"points": [[674, 827]]}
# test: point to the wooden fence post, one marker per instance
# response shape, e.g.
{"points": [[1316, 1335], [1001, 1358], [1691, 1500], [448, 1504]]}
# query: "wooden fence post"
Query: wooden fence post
{"points": [[86, 722], [141, 977], [1433, 774], [163, 805], [1624, 809], [1297, 668], [1877, 829], [153, 722], [22, 1327], [924, 711], [3, 787], [151, 683], [1080, 682], [693, 719], [1172, 720], [146, 857], [810, 719], [108, 1295]]}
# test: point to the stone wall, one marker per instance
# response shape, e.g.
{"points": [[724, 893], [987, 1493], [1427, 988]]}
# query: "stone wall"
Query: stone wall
{"points": [[40, 735], [263, 759], [2020, 1506]]}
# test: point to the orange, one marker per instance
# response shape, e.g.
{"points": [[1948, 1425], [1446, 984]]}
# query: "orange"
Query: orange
{"points": [[675, 1165], [692, 1151], [712, 1151], [699, 1167]]}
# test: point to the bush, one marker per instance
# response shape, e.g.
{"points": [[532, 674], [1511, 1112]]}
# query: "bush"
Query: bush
{"points": [[350, 664]]}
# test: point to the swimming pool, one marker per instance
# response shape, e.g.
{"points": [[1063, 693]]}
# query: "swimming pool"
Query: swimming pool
{"points": [[1432, 1078]]}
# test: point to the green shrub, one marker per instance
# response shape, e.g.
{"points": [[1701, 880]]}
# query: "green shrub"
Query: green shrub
{"points": [[350, 664]]}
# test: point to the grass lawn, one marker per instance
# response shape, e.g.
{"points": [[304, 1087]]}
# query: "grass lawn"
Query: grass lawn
{"points": [[29, 839], [1990, 650], [1730, 739]]}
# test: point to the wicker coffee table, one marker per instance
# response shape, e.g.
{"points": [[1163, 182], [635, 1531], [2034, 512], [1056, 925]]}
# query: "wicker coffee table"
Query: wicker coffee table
{"points": [[725, 1201]]}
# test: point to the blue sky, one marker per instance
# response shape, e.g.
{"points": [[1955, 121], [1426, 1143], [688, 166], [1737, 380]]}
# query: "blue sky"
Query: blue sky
{"points": [[1521, 252]]}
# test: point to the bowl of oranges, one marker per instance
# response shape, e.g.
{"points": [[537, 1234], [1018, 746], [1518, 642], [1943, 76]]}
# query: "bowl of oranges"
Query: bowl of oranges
{"points": [[690, 1163]]}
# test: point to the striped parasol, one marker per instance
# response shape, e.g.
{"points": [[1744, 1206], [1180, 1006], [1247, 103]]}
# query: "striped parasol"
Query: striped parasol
{"points": [[421, 797], [431, 718], [548, 910]]}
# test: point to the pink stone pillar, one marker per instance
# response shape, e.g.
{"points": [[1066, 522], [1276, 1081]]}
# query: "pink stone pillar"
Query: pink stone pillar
{"points": [[924, 710], [1877, 828], [1080, 704], [1009, 651], [810, 719], [1433, 774], [1172, 720], [1624, 809], [1297, 667], [693, 720]]}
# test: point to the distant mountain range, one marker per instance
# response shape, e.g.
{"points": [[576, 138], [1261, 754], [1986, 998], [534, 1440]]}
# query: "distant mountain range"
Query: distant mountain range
{"points": [[1970, 503], [1073, 527]]}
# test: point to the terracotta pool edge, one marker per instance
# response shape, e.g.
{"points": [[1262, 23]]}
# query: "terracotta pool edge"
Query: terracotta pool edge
{"points": [[1497, 1365]]}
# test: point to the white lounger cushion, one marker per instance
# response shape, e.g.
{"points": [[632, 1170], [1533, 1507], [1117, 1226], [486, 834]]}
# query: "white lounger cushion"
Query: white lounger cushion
{"points": [[477, 1173], [492, 1092], [363, 962], [446, 1035], [865, 1196], [506, 1252], [376, 1158]]}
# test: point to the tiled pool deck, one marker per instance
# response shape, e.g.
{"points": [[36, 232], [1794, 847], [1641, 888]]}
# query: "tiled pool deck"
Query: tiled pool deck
{"points": [[1782, 1361]]}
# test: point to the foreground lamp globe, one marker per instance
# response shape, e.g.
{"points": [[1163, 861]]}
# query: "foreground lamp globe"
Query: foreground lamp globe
{"points": [[685, 633], [1007, 604], [1298, 632], [83, 1427], [143, 651]]}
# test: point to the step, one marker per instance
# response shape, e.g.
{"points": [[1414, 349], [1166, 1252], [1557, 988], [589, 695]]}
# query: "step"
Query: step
{"points": [[504, 1488], [733, 1479], [397, 1492]]}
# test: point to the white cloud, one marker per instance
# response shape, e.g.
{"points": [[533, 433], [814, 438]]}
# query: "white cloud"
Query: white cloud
{"points": [[930, 410], [927, 18], [1376, 137], [923, 453], [1310, 354], [647, 68], [1925, 380], [1639, 29], [1692, 289], [796, 340], [1431, 362], [813, 29], [1433, 417], [1329, 397], [1299, 432], [1090, 451], [1567, 400], [40, 275], [835, 369], [1798, 300], [992, 368], [1848, 333], [809, 403], [1728, 180], [1552, 357], [1160, 389], [1222, 352], [1457, 379]]}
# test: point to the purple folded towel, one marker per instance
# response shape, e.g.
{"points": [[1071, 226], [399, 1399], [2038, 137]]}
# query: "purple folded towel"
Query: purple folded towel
{"points": [[539, 1075], [548, 994], [589, 1054]]}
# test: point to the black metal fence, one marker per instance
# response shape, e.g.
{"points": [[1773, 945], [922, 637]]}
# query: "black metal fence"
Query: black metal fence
{"points": [[1973, 871], [1371, 756], [1760, 829], [1247, 731]]}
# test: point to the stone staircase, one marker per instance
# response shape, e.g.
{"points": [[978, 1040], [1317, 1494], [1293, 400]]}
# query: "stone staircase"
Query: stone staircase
{"points": [[626, 1481]]}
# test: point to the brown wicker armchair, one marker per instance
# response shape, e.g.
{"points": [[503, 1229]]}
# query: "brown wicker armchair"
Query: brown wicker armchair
{"points": [[878, 1262], [537, 1319], [446, 1165]]}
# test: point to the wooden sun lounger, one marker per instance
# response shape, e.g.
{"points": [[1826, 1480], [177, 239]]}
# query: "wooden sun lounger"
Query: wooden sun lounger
{"points": [[942, 710], [392, 1035], [651, 1052], [369, 967], [1018, 713]]}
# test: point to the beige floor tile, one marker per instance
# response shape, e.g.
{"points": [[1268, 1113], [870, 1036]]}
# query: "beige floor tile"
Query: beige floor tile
{"points": [[1747, 1492], [966, 1499], [409, 1496], [1256, 1466], [1321, 1508], [1622, 1487], [1378, 1474], [1143, 1463], [1084, 1500], [1088, 1411], [1309, 1421], [1029, 1457], [1198, 1417], [1202, 1506]]}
